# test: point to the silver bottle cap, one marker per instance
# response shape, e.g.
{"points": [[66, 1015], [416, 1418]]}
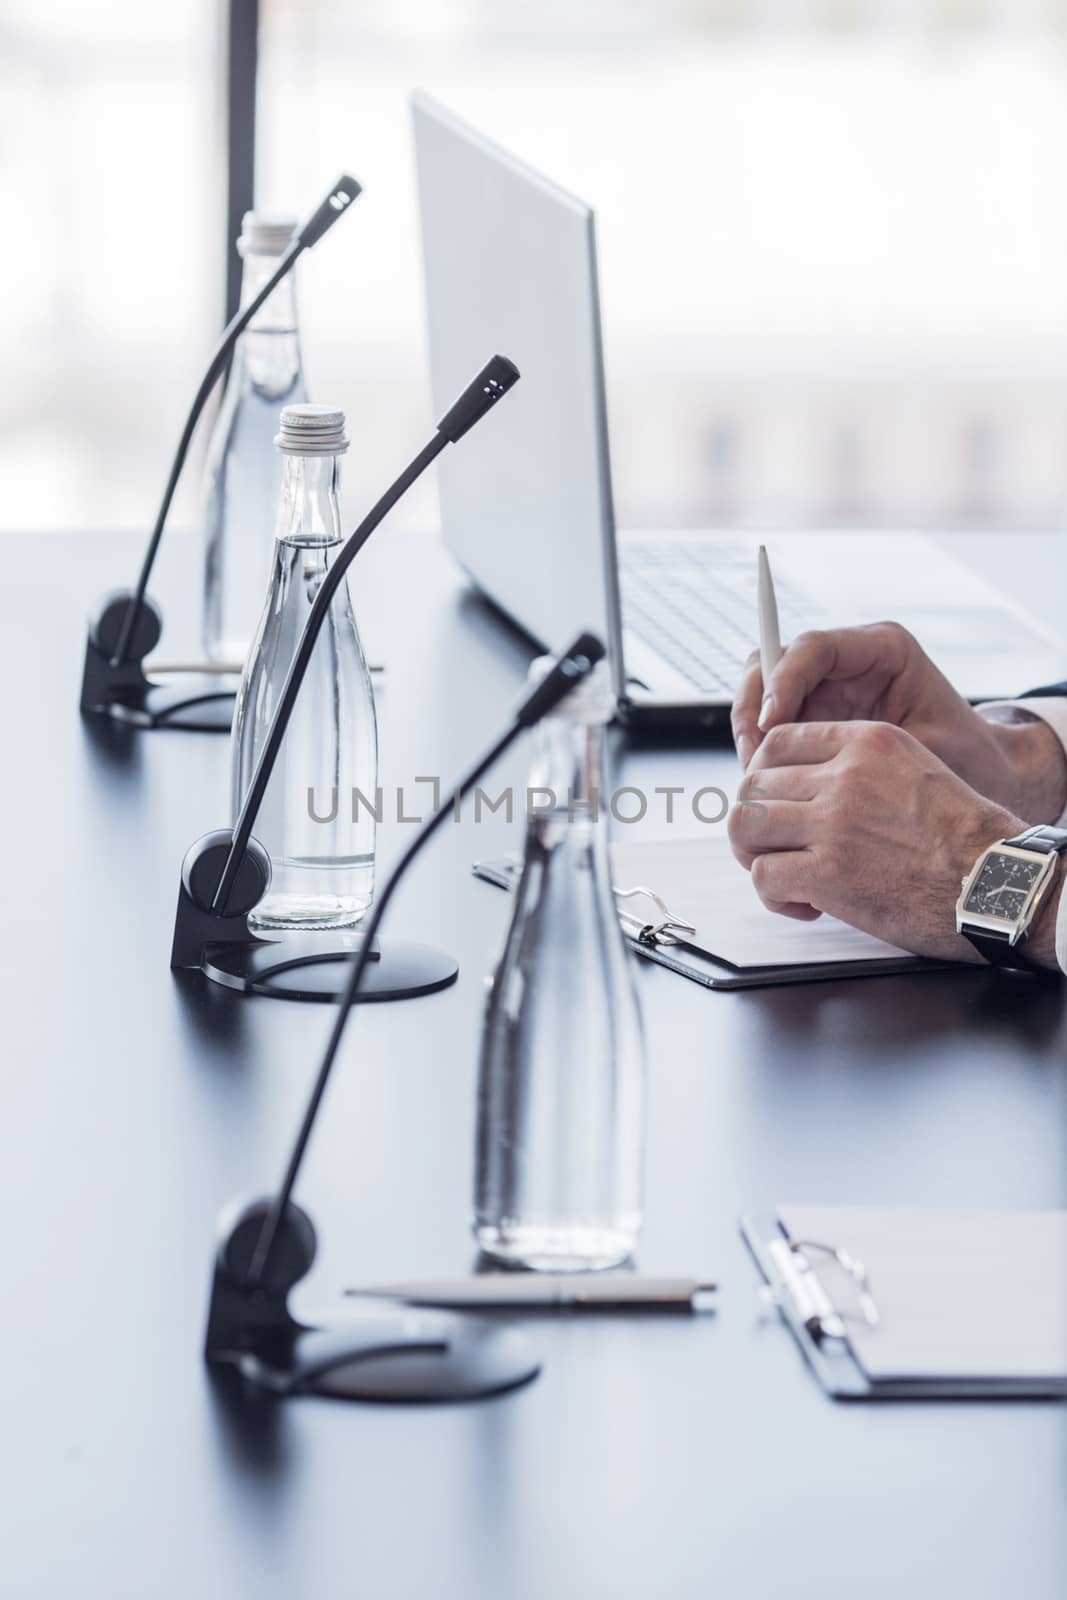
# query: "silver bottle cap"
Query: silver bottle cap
{"points": [[266, 233], [312, 431]]}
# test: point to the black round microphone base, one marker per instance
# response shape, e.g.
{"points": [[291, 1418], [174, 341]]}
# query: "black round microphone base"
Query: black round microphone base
{"points": [[202, 704], [313, 966], [381, 1350], [398, 1354], [115, 684]]}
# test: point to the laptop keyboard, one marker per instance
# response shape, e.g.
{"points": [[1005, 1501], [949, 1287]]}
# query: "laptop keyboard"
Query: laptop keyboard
{"points": [[693, 601]]}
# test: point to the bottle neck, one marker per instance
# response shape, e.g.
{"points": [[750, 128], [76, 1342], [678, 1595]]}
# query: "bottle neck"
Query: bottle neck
{"points": [[568, 770], [309, 513], [278, 312]]}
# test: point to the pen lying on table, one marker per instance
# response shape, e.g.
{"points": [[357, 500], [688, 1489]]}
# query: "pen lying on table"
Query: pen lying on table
{"points": [[551, 1291]]}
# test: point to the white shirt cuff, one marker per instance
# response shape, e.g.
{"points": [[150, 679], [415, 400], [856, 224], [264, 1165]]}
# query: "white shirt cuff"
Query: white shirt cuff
{"points": [[1053, 710]]}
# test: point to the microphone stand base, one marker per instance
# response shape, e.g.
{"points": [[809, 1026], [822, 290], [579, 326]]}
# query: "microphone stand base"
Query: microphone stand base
{"points": [[204, 704], [312, 966], [382, 1350], [197, 701], [399, 1354], [200, 703]]}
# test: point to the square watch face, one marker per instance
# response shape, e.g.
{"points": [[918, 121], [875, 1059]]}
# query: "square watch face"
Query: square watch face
{"points": [[1001, 888]]}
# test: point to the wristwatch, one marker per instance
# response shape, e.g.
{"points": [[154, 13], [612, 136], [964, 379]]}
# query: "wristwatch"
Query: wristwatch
{"points": [[1003, 890]]}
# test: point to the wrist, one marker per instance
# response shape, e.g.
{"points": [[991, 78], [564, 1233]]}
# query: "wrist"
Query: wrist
{"points": [[1033, 766]]}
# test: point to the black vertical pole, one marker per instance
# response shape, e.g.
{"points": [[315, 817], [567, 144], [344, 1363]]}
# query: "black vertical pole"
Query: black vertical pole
{"points": [[242, 45]]}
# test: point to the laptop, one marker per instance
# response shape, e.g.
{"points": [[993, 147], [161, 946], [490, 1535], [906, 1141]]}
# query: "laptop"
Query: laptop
{"points": [[510, 264]]}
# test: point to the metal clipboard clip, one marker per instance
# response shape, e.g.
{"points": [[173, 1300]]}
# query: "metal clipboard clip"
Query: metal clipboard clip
{"points": [[654, 933], [800, 1288]]}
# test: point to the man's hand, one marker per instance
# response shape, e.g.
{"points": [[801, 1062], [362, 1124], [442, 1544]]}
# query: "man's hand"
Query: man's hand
{"points": [[880, 673], [859, 820]]}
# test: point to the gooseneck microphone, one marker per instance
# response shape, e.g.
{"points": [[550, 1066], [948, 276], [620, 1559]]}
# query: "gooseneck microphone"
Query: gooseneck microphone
{"points": [[389, 1351], [128, 624], [226, 873]]}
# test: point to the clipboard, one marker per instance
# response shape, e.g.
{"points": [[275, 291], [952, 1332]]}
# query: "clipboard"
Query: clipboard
{"points": [[833, 1304], [668, 942]]}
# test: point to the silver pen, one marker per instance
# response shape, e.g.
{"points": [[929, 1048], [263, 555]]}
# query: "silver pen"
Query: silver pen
{"points": [[550, 1291]]}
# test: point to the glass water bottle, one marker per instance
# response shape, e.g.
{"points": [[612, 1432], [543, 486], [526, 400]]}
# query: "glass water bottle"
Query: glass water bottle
{"points": [[243, 477], [318, 815], [561, 1092]]}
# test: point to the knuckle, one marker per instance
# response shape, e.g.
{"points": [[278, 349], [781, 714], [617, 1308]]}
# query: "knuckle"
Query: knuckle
{"points": [[775, 744], [878, 739], [897, 636], [895, 630], [737, 834], [760, 870], [739, 821]]}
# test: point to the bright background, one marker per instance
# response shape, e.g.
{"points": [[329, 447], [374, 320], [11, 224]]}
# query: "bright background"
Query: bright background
{"points": [[833, 241]]}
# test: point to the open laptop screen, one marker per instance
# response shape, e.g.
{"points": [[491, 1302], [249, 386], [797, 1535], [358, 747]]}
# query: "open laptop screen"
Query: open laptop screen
{"points": [[510, 264]]}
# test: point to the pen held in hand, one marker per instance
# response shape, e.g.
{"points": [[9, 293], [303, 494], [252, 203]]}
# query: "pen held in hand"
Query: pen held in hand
{"points": [[551, 1291], [770, 640]]}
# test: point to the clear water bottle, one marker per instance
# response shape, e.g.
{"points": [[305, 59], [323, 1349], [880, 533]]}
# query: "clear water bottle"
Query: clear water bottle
{"points": [[561, 1092], [243, 477], [318, 814]]}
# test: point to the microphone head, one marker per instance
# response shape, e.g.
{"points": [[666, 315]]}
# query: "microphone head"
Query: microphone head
{"points": [[576, 663], [481, 395], [588, 648], [336, 203], [105, 628], [293, 1255], [202, 873]]}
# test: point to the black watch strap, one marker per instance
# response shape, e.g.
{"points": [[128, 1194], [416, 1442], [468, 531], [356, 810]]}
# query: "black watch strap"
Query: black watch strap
{"points": [[997, 947], [1046, 839]]}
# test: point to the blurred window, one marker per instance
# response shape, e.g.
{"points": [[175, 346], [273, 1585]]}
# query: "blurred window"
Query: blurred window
{"points": [[833, 239], [112, 189], [833, 236]]}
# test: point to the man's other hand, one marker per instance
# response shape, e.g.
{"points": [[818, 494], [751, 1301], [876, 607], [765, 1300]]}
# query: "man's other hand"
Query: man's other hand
{"points": [[880, 673], [859, 820]]}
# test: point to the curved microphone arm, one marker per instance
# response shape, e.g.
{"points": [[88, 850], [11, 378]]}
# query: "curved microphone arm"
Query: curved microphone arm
{"points": [[575, 664], [340, 197], [480, 395]]}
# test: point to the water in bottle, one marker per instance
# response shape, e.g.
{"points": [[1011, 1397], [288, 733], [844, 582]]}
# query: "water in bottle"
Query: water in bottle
{"points": [[243, 474], [318, 815], [561, 1090]]}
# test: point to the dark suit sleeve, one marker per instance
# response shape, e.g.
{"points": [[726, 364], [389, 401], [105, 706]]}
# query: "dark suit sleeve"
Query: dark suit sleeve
{"points": [[1052, 689]]}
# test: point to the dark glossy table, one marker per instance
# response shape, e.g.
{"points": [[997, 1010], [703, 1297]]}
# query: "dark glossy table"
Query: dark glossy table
{"points": [[652, 1458]]}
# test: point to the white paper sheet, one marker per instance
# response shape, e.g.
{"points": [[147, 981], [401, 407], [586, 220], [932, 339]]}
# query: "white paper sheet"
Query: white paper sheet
{"points": [[975, 1295], [702, 883]]}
